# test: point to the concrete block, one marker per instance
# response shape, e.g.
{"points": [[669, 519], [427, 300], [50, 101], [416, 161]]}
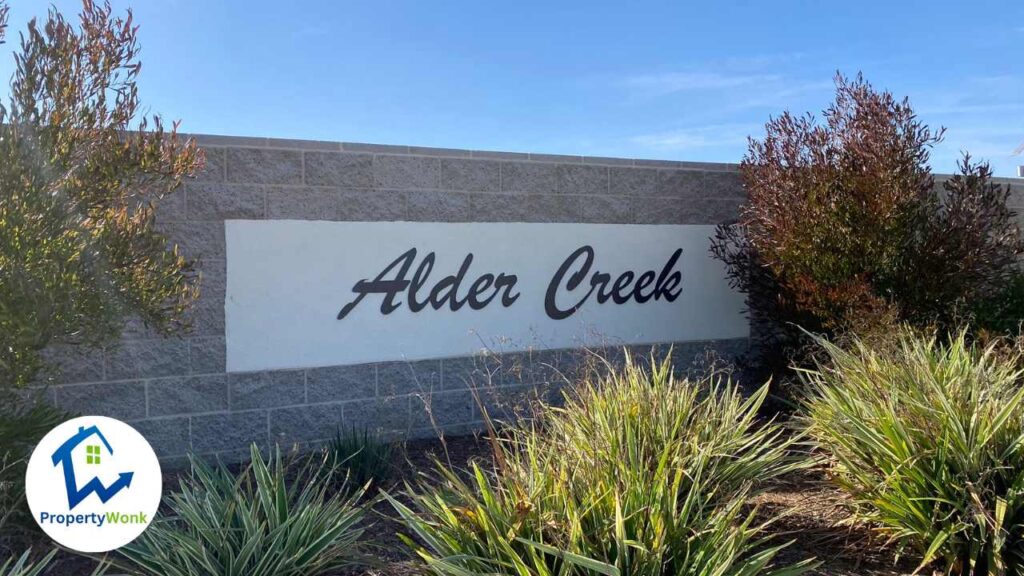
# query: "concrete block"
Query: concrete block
{"points": [[660, 210], [250, 390], [306, 203], [217, 201], [566, 158], [264, 166], [207, 355], [474, 372], [400, 378], [633, 181], [213, 281], [407, 172], [583, 179], [681, 183], [378, 414], [500, 208], [205, 140], [470, 175], [293, 144], [169, 437], [341, 169], [657, 163], [560, 208], [511, 403], [206, 317], [431, 206], [336, 383], [608, 160], [135, 329], [197, 239], [215, 169], [229, 432], [724, 185], [171, 208], [382, 148], [715, 210], [305, 423], [491, 154], [71, 363], [372, 205], [147, 359], [432, 151], [442, 409], [121, 400], [188, 395], [529, 177], [607, 209]]}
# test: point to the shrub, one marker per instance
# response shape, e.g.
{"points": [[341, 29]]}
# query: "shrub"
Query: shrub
{"points": [[276, 518], [1003, 314], [844, 229], [928, 439], [637, 474], [23, 566], [22, 425], [364, 458], [80, 173]]}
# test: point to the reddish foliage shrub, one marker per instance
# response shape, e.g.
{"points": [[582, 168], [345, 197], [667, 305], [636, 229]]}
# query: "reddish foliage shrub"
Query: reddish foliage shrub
{"points": [[845, 230]]}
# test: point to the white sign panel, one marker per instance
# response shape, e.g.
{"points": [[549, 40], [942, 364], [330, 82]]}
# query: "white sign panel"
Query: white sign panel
{"points": [[311, 293]]}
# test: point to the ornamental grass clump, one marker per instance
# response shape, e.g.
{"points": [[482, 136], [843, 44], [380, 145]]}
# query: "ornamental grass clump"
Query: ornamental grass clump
{"points": [[639, 473], [928, 440], [276, 518]]}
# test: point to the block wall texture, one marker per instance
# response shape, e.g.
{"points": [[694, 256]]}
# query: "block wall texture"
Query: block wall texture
{"points": [[175, 390]]}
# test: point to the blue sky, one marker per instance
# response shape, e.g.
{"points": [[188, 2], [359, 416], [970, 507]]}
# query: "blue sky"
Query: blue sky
{"points": [[673, 80]]}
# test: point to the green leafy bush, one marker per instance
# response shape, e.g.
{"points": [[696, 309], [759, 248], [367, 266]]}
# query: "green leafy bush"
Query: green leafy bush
{"points": [[637, 474], [928, 439], [22, 424], [1003, 314], [845, 230], [362, 457], [273, 519], [81, 170]]}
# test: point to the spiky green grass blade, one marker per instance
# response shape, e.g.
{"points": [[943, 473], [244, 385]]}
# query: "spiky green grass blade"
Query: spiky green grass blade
{"points": [[276, 518], [638, 474], [928, 439]]}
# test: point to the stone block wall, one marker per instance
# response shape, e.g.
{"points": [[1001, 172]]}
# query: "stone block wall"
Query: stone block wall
{"points": [[176, 391]]}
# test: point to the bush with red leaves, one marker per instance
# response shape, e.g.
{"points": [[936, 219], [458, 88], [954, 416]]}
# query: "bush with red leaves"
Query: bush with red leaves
{"points": [[844, 229]]}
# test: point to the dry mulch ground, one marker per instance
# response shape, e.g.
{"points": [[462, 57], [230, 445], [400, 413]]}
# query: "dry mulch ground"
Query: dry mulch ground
{"points": [[810, 506]]}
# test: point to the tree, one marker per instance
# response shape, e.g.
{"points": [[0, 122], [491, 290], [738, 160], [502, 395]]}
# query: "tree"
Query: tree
{"points": [[844, 229], [80, 176]]}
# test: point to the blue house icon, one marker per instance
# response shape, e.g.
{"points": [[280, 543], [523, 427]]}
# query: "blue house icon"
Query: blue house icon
{"points": [[63, 456]]}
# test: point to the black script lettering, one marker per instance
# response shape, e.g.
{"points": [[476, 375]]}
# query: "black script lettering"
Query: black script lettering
{"points": [[504, 284], [669, 279], [550, 306], [381, 286], [392, 282], [445, 290], [664, 285], [418, 280], [645, 280]]}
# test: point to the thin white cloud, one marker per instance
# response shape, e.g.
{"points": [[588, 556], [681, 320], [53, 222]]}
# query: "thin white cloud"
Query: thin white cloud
{"points": [[674, 82], [698, 137]]}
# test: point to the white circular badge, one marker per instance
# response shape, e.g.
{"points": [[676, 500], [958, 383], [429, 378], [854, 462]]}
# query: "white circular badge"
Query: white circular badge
{"points": [[93, 484]]}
